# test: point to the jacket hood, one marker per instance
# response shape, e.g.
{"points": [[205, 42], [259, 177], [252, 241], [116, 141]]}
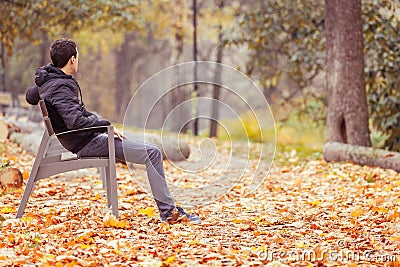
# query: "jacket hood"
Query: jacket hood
{"points": [[48, 72]]}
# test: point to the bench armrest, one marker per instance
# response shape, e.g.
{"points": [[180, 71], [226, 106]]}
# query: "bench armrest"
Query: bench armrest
{"points": [[95, 129]]}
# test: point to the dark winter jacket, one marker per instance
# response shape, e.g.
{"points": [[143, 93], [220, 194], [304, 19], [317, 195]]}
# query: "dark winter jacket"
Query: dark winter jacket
{"points": [[61, 93]]}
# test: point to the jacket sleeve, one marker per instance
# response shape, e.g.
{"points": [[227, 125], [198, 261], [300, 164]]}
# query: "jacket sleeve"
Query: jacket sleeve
{"points": [[32, 95], [72, 111], [88, 113]]}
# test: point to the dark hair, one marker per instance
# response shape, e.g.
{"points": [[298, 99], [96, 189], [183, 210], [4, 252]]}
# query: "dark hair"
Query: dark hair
{"points": [[61, 51]]}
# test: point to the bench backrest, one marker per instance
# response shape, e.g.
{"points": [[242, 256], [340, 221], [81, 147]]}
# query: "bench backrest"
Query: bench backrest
{"points": [[46, 119]]}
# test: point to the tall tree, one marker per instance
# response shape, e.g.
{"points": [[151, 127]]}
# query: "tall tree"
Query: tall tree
{"points": [[37, 20], [217, 79], [347, 112], [195, 85], [123, 69]]}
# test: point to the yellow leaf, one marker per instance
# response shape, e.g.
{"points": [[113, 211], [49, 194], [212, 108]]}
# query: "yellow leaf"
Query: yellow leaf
{"points": [[169, 259], [383, 210], [315, 203], [6, 210], [122, 224], [260, 248], [258, 219], [194, 242], [84, 246], [149, 211], [356, 212], [238, 221], [395, 238], [300, 244], [116, 251], [388, 188]]}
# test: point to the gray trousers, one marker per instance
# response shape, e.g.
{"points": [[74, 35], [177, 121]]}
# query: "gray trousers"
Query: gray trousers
{"points": [[139, 153]]}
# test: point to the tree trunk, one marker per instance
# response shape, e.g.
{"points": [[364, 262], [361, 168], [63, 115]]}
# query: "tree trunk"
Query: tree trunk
{"points": [[3, 68], [44, 50], [195, 85], [124, 68], [217, 80], [334, 151], [347, 118]]}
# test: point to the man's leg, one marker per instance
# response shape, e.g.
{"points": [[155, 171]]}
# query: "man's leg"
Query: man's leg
{"points": [[142, 153]]}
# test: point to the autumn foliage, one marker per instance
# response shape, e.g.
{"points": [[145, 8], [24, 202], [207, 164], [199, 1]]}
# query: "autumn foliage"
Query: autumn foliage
{"points": [[304, 208]]}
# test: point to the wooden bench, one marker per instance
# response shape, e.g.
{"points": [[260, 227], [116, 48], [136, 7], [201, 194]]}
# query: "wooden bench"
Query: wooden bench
{"points": [[52, 158]]}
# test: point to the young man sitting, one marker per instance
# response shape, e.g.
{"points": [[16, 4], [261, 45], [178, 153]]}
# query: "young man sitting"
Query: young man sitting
{"points": [[61, 93]]}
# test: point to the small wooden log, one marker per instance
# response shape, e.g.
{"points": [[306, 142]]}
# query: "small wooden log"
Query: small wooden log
{"points": [[335, 151], [10, 177]]}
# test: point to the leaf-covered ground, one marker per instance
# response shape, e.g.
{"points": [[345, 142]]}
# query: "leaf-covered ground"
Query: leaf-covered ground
{"points": [[306, 213]]}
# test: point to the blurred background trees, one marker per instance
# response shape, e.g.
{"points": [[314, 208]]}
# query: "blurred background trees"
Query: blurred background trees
{"points": [[279, 44]]}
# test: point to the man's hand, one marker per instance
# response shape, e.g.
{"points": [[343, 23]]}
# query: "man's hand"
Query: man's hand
{"points": [[118, 134]]}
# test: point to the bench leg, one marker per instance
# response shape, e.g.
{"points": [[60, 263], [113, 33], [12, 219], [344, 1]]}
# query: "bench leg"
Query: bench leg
{"points": [[32, 177], [112, 194], [102, 172], [28, 190]]}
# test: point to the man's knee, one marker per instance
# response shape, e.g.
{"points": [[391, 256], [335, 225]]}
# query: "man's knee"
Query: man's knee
{"points": [[154, 152]]}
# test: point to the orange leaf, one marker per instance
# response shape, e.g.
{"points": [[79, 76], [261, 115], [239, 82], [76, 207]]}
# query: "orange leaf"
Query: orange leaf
{"points": [[25, 175], [238, 221], [111, 221], [11, 238]]}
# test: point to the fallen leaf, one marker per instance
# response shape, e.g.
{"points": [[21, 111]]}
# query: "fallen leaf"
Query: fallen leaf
{"points": [[6, 210], [357, 212], [149, 211], [111, 221]]}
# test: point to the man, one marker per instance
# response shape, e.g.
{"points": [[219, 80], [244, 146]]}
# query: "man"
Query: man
{"points": [[61, 92]]}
